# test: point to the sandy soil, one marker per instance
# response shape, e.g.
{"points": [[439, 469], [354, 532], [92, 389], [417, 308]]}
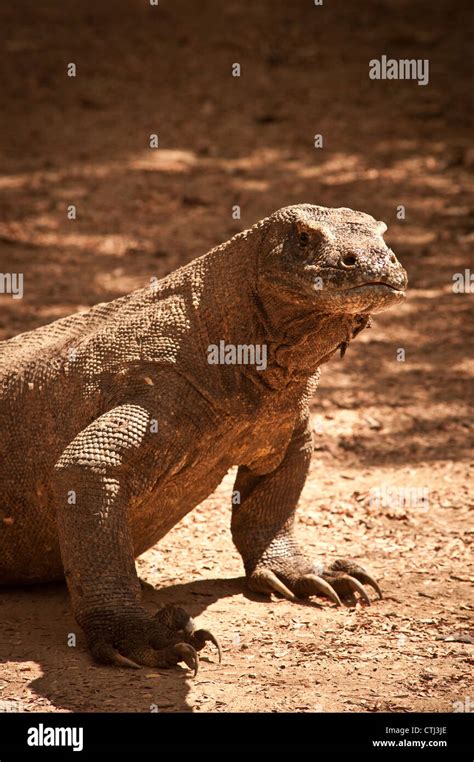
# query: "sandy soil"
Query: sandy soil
{"points": [[379, 422]]}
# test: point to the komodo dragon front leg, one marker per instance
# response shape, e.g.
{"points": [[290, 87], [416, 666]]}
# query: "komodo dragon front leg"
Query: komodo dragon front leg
{"points": [[93, 478], [263, 532]]}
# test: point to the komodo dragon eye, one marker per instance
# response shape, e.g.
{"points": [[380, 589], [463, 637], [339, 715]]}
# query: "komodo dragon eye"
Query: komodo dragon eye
{"points": [[303, 238]]}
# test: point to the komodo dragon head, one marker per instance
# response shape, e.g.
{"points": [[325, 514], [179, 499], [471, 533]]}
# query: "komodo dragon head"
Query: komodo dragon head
{"points": [[337, 261]]}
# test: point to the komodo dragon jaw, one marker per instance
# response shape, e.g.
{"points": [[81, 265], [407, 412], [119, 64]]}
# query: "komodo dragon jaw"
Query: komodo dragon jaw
{"points": [[115, 424]]}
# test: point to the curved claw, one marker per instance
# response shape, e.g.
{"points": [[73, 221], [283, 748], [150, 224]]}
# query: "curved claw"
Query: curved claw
{"points": [[271, 584], [348, 567], [354, 584], [122, 661], [105, 653], [189, 655], [208, 636], [323, 587], [368, 580]]}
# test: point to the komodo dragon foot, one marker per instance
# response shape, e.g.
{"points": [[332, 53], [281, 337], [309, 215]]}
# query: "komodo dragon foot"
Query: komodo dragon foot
{"points": [[297, 577], [163, 640]]}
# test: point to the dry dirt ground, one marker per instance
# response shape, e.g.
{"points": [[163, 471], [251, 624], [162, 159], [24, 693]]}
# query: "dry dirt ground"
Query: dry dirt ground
{"points": [[380, 422]]}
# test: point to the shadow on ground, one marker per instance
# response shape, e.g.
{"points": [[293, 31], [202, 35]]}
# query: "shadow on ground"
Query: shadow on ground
{"points": [[40, 622]]}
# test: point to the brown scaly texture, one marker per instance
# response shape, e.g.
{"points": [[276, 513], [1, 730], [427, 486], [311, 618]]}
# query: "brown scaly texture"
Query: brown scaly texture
{"points": [[114, 425]]}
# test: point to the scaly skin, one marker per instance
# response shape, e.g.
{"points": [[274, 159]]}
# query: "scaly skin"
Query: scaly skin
{"points": [[114, 425]]}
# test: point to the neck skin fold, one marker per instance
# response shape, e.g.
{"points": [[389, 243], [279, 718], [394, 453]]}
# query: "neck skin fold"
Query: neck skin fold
{"points": [[246, 311]]}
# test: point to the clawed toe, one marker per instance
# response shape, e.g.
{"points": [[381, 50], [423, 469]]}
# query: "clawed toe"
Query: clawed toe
{"points": [[177, 624], [266, 581], [366, 579], [355, 586], [136, 656], [161, 641], [347, 577], [199, 638], [105, 653], [189, 655], [311, 584], [297, 580]]}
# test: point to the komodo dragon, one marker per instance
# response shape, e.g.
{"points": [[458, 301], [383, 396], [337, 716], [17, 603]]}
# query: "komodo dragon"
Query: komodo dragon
{"points": [[117, 421]]}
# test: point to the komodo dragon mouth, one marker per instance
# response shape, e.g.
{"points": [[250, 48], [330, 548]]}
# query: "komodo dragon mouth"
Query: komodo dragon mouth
{"points": [[376, 286], [364, 298]]}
